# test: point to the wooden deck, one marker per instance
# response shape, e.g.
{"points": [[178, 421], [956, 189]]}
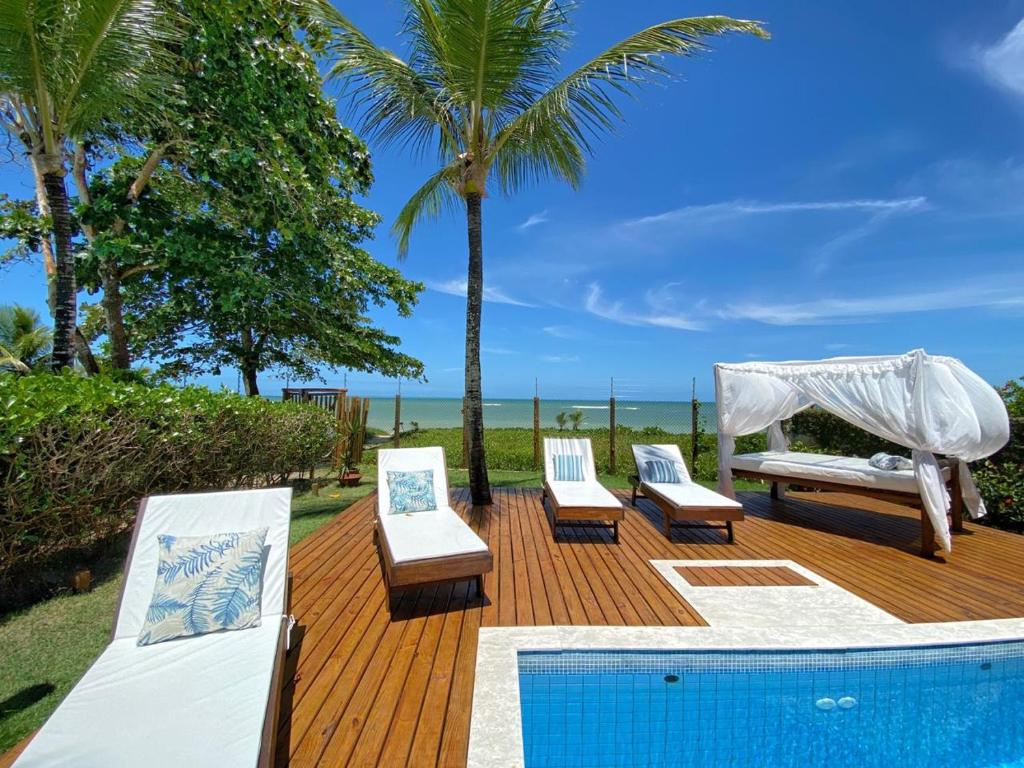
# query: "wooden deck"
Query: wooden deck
{"points": [[393, 690]]}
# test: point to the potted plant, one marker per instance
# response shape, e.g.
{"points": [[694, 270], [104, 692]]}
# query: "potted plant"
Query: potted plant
{"points": [[350, 430]]}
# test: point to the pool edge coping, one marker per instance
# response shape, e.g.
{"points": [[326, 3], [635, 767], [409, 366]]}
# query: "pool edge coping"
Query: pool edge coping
{"points": [[496, 733]]}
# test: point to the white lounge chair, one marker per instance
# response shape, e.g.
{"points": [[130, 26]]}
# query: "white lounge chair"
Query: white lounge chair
{"points": [[428, 547], [682, 501], [579, 502], [209, 700]]}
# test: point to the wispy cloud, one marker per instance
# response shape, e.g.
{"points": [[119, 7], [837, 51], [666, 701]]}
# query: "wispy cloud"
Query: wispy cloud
{"points": [[1003, 61], [498, 351], [560, 358], [996, 294], [533, 220], [655, 313], [492, 294], [562, 331], [734, 209], [826, 254]]}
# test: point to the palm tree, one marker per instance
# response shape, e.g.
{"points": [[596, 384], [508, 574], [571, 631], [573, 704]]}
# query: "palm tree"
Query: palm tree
{"points": [[481, 82], [24, 340], [69, 67]]}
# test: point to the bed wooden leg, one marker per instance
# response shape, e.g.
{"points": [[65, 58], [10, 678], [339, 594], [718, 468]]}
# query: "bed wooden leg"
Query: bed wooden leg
{"points": [[775, 491], [956, 498], [615, 531], [928, 547], [728, 528], [480, 587], [633, 501]]}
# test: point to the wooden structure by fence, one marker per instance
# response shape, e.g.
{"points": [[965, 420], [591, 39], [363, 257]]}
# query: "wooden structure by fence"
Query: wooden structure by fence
{"points": [[347, 411]]}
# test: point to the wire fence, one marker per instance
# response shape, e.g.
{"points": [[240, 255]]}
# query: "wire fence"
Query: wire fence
{"points": [[515, 428]]}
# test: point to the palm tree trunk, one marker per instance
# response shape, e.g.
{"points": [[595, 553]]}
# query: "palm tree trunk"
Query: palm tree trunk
{"points": [[120, 358], [66, 308], [473, 413]]}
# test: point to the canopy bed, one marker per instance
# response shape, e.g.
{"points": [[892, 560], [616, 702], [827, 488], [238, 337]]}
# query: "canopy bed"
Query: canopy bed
{"points": [[928, 404]]}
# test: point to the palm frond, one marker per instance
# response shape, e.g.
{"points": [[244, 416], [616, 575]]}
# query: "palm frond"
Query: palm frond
{"points": [[118, 59], [583, 104], [24, 340], [395, 103], [78, 64], [436, 195]]}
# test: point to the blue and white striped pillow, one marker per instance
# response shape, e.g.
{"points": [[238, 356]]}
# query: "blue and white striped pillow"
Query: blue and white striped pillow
{"points": [[568, 467], [662, 471]]}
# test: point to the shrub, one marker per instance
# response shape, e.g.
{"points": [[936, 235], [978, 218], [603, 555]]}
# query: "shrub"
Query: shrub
{"points": [[1000, 478], [815, 430], [77, 454]]}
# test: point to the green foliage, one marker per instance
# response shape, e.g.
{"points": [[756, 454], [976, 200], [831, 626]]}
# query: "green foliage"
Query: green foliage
{"points": [[21, 224], [24, 341], [561, 419], [243, 250], [484, 82], [117, 442], [512, 448], [818, 431], [576, 419], [1000, 478]]}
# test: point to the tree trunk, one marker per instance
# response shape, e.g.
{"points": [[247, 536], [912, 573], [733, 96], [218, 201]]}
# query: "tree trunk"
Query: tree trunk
{"points": [[249, 380], [85, 357], [120, 358], [248, 365], [66, 307], [473, 413]]}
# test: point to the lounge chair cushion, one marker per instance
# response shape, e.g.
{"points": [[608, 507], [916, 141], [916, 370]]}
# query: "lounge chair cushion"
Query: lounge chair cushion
{"points": [[425, 535], [199, 701], [690, 495], [568, 467], [584, 495], [411, 491], [205, 584]]}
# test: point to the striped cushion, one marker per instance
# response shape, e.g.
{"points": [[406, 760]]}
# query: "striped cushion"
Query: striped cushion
{"points": [[568, 467], [661, 471]]}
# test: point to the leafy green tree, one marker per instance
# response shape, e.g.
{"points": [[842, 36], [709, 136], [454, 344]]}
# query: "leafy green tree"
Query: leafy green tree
{"points": [[240, 246], [481, 83], [24, 341], [561, 419], [68, 67]]}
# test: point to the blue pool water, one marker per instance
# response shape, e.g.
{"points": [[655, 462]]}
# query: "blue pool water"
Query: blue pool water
{"points": [[955, 706]]}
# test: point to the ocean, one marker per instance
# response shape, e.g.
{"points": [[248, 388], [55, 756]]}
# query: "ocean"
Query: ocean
{"points": [[447, 412]]}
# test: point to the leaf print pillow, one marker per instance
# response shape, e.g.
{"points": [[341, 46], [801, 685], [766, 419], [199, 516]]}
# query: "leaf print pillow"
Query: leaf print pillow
{"points": [[411, 491], [205, 584]]}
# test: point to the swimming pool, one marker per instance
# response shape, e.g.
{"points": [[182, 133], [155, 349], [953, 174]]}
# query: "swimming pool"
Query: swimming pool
{"points": [[950, 706]]}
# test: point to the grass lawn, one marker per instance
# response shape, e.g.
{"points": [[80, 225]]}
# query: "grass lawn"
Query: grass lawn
{"points": [[48, 647]]}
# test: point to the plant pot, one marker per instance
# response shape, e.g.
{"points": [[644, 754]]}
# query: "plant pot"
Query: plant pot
{"points": [[350, 478]]}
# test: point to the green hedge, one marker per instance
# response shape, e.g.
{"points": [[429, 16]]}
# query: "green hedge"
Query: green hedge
{"points": [[512, 448], [77, 454]]}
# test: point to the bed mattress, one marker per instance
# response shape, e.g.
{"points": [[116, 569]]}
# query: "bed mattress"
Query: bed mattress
{"points": [[844, 470]]}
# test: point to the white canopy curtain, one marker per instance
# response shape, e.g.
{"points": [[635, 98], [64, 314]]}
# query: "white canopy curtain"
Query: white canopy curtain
{"points": [[926, 403]]}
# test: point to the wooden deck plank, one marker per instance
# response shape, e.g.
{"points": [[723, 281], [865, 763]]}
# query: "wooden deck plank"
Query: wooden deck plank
{"points": [[396, 689]]}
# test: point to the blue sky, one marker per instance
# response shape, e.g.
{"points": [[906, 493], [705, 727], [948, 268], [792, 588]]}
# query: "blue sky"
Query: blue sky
{"points": [[853, 186]]}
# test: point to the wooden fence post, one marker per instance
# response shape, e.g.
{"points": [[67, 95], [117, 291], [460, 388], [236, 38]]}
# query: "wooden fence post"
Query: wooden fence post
{"points": [[694, 428], [465, 437], [536, 432], [398, 421], [611, 435]]}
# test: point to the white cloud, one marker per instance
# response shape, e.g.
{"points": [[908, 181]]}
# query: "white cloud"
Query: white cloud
{"points": [[1003, 62], [498, 351], [657, 312], [735, 209], [560, 358], [561, 331], [996, 294], [533, 220], [492, 294]]}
